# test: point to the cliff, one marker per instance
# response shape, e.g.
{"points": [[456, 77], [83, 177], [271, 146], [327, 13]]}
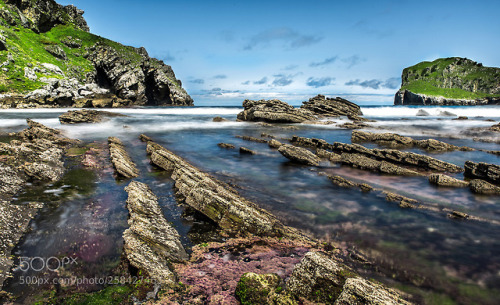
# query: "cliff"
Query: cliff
{"points": [[449, 81], [48, 58]]}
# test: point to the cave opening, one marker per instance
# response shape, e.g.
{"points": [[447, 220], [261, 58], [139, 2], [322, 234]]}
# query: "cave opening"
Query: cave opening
{"points": [[156, 95], [103, 80]]}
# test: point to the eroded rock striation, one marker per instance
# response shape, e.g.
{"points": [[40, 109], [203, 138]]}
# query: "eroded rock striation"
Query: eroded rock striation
{"points": [[273, 111], [151, 243], [358, 291], [444, 180], [122, 163], [233, 213], [479, 186]]}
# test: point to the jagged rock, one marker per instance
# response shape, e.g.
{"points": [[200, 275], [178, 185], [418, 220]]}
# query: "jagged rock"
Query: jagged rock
{"points": [[444, 180], [458, 215], [145, 138], [422, 112], [318, 278], [274, 143], [226, 145], [298, 154], [353, 125], [320, 105], [362, 162], [311, 142], [44, 15], [86, 116], [213, 198], [479, 186], [252, 139], [246, 151], [398, 157], [122, 163], [10, 181], [404, 202], [342, 182], [30, 74], [485, 171], [395, 140], [219, 119], [39, 131], [358, 291], [273, 111], [150, 242], [461, 118], [43, 171], [56, 51], [71, 42], [148, 82]]}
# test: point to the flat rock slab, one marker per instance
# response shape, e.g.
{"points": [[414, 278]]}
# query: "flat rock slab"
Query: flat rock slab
{"points": [[122, 163], [299, 155], [86, 116]]}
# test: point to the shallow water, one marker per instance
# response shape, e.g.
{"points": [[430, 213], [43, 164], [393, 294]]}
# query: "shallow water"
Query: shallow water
{"points": [[444, 255]]}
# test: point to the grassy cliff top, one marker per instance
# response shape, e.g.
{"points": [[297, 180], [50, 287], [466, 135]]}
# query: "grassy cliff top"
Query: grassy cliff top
{"points": [[454, 77], [25, 47]]}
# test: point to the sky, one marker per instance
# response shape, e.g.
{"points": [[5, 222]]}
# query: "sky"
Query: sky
{"points": [[228, 51]]}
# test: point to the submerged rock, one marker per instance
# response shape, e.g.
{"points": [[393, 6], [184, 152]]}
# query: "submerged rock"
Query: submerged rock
{"points": [[246, 151], [298, 154], [122, 163], [252, 139], [444, 180], [495, 127], [485, 171], [273, 111], [86, 116], [358, 291], [332, 107], [404, 202], [219, 119], [214, 199], [151, 243], [362, 162], [226, 145]]}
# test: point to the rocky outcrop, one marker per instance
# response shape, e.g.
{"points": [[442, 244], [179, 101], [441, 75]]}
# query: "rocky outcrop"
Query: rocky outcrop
{"points": [[151, 243], [343, 182], [444, 180], [395, 140], [246, 151], [366, 163], [332, 107], [252, 139], [273, 111], [299, 155], [408, 98], [398, 157], [495, 127], [86, 116], [226, 145], [358, 291], [216, 200], [403, 202], [143, 80], [442, 77], [311, 142], [484, 171], [479, 186], [43, 15], [122, 163], [219, 119], [36, 155], [274, 143], [253, 288]]}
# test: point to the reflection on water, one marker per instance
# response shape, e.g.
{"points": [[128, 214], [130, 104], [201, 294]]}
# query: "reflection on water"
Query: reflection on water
{"points": [[86, 213]]}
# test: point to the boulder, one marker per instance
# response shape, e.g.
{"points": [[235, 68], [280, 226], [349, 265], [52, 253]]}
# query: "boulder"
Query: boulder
{"points": [[216, 200], [299, 155], [274, 143], [495, 127], [219, 119], [120, 159], [56, 51], [358, 291], [422, 112], [485, 171], [479, 186], [332, 107], [444, 180], [273, 111], [151, 243], [86, 116], [318, 278]]}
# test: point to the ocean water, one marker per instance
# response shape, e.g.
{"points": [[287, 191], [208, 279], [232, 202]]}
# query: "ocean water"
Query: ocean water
{"points": [[418, 251]]}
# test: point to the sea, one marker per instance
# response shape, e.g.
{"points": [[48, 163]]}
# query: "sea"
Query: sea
{"points": [[439, 259]]}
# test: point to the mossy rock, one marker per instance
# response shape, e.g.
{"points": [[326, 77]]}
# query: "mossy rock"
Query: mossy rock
{"points": [[253, 289]]}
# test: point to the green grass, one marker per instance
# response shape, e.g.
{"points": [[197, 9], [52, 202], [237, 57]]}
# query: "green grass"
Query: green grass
{"points": [[470, 80]]}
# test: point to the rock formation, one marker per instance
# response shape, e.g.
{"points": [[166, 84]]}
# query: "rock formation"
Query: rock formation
{"points": [[86, 116], [299, 155], [122, 163], [332, 107], [485, 171], [478, 84], [479, 186], [273, 111], [215, 199], [444, 180], [151, 243]]}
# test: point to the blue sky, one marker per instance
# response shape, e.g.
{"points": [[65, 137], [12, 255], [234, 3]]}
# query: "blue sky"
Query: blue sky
{"points": [[227, 51]]}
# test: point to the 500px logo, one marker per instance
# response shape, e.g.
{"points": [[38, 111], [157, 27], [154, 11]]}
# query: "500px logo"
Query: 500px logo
{"points": [[40, 263]]}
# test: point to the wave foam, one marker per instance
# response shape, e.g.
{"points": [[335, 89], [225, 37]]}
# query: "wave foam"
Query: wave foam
{"points": [[406, 112]]}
